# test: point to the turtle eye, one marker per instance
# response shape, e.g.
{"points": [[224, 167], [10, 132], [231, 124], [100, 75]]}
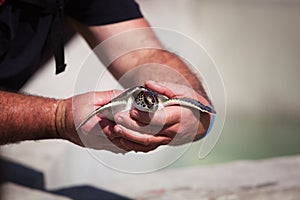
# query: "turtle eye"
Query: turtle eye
{"points": [[150, 99]]}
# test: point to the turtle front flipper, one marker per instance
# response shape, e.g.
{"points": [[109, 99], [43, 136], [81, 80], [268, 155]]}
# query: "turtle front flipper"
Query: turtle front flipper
{"points": [[189, 103], [100, 110], [124, 99]]}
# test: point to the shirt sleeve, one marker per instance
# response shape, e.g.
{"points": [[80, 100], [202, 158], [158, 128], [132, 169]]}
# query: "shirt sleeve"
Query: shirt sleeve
{"points": [[101, 12]]}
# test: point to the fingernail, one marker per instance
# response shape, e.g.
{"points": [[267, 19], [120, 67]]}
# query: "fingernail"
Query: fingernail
{"points": [[134, 114], [108, 134], [151, 81], [118, 130], [119, 119]]}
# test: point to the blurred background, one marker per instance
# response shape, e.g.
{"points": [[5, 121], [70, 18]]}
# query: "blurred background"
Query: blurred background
{"points": [[256, 46]]}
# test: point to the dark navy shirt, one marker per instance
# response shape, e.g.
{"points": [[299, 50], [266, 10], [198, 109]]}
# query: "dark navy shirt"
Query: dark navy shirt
{"points": [[24, 30]]}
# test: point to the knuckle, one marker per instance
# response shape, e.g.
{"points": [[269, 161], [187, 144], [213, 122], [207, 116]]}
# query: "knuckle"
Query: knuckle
{"points": [[147, 141]]}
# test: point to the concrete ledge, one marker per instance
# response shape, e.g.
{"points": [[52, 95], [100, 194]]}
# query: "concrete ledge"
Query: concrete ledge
{"points": [[277, 178], [12, 191]]}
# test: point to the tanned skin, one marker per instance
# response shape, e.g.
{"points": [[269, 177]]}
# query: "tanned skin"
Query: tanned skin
{"points": [[27, 117]]}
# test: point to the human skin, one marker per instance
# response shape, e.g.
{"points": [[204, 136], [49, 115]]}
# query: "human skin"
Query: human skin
{"points": [[180, 124], [26, 117], [126, 69]]}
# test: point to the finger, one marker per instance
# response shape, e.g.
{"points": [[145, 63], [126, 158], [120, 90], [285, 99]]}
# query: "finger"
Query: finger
{"points": [[160, 88], [116, 146], [176, 90], [141, 117], [168, 131], [144, 139], [167, 116], [126, 121], [137, 147], [101, 98], [107, 127]]}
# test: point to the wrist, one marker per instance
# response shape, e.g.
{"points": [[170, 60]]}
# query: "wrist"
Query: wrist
{"points": [[59, 119], [64, 122]]}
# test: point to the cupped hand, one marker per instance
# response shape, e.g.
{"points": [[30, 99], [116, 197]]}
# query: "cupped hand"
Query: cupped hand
{"points": [[173, 125], [98, 133]]}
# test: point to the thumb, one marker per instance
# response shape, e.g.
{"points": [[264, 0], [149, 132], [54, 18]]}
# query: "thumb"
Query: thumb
{"points": [[104, 97], [161, 88]]}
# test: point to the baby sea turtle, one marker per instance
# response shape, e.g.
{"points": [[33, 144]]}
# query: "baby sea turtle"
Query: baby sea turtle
{"points": [[145, 100]]}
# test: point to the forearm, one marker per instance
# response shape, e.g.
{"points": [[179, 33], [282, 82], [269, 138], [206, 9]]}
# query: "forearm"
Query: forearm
{"points": [[158, 65], [26, 117], [138, 46]]}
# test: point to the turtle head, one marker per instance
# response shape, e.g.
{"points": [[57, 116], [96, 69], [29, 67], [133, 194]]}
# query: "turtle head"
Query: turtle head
{"points": [[146, 101]]}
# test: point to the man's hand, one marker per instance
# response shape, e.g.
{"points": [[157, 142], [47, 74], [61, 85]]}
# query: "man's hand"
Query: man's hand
{"points": [[174, 124], [130, 70], [97, 133]]}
